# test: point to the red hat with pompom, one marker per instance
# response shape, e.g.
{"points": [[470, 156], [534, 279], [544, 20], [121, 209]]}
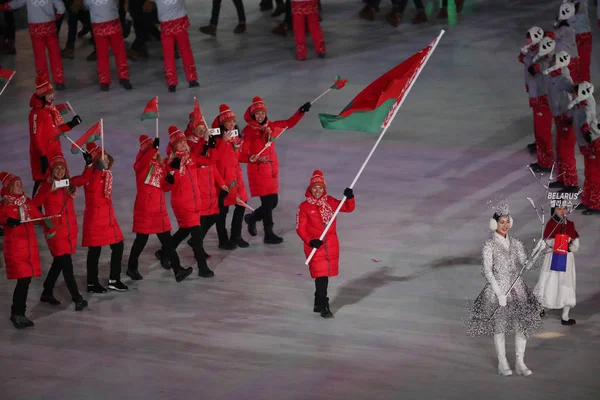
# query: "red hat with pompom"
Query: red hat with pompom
{"points": [[43, 86], [58, 160], [257, 105], [175, 135], [225, 114], [7, 180], [317, 179], [145, 143], [94, 150]]}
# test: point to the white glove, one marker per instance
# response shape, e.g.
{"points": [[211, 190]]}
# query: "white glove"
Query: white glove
{"points": [[502, 300]]}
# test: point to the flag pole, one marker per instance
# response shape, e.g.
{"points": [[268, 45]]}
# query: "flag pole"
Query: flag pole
{"points": [[7, 82], [74, 144], [71, 108], [321, 95], [41, 219], [157, 117], [102, 137], [269, 143], [312, 253]]}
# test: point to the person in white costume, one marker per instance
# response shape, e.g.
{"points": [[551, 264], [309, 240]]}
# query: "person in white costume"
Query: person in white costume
{"points": [[556, 286]]}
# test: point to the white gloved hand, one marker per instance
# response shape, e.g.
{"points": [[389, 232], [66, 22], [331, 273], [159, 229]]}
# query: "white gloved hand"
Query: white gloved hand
{"points": [[502, 300]]}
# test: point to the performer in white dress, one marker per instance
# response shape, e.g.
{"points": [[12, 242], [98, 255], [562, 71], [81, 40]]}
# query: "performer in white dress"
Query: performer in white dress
{"points": [[519, 311], [556, 286]]}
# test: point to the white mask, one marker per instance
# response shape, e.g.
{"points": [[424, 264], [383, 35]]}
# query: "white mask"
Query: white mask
{"points": [[547, 46], [536, 34], [566, 11], [584, 90], [562, 60]]}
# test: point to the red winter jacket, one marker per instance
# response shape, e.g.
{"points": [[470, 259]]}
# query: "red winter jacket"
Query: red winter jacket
{"points": [[21, 252], [263, 178], [61, 202], [185, 195], [100, 227], [228, 166], [209, 179], [44, 128], [150, 210], [309, 225]]}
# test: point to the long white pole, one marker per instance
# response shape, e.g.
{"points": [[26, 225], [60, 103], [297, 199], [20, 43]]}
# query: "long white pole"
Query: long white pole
{"points": [[7, 82], [102, 137], [74, 144], [339, 207]]}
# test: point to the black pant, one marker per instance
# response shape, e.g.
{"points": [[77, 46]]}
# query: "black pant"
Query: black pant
{"points": [[62, 263], [397, 5], [264, 213], [10, 29], [36, 186], [167, 247], [236, 223], [321, 288], [19, 304], [143, 24], [197, 243], [216, 9], [93, 257]]}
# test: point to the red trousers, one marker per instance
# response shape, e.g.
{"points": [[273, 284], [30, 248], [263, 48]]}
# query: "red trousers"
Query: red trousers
{"points": [[591, 186], [542, 128], [110, 34], [44, 36], [574, 67], [307, 13], [565, 151], [584, 48], [171, 32]]}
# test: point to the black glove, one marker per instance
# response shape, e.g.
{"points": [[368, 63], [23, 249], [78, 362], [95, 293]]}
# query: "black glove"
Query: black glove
{"points": [[176, 163], [156, 143], [212, 142], [45, 164], [348, 193], [170, 179], [205, 150], [588, 137], [562, 23], [74, 122], [305, 107], [316, 243], [12, 222], [222, 195], [88, 159], [531, 70]]}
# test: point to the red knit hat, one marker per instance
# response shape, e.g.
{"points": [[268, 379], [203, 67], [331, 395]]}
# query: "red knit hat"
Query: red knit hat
{"points": [[94, 150], [58, 160], [225, 114], [145, 143], [257, 105], [317, 179], [7, 180], [175, 135], [42, 86]]}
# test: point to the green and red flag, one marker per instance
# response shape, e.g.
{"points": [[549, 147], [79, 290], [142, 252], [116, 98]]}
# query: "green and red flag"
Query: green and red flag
{"points": [[198, 116], [371, 110], [90, 136], [151, 110], [338, 83], [63, 109], [5, 76]]}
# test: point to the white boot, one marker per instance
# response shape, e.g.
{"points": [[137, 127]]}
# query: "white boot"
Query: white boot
{"points": [[520, 344], [503, 367]]}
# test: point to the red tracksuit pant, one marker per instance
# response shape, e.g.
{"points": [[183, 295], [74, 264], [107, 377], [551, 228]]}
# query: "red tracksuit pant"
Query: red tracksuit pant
{"points": [[542, 128], [110, 34], [307, 13], [44, 36], [171, 32], [584, 48], [565, 151], [574, 67], [591, 186]]}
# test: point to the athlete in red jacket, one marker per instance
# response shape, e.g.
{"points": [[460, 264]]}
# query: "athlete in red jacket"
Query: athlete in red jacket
{"points": [[313, 215]]}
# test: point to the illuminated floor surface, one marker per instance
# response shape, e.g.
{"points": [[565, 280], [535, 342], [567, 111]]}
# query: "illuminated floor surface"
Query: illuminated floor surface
{"points": [[410, 252]]}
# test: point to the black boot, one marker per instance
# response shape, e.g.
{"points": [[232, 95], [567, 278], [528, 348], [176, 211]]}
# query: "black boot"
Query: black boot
{"points": [[164, 261], [48, 297], [535, 167], [204, 271], [134, 274], [183, 273], [225, 243], [317, 306], [80, 303], [325, 311], [249, 218], [96, 288], [21, 321], [270, 237]]}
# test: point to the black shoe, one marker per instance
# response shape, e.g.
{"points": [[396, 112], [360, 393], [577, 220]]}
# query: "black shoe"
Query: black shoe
{"points": [[317, 306], [164, 261], [205, 272], [183, 273], [325, 311], [227, 245], [532, 148], [126, 84], [96, 288], [556, 185], [172, 89], [535, 167], [117, 285], [50, 299], [127, 29], [251, 224], [134, 274], [92, 56], [571, 321], [591, 211], [272, 238], [60, 87], [105, 87], [321, 55], [240, 242], [194, 84], [21, 322], [80, 304], [543, 313]]}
